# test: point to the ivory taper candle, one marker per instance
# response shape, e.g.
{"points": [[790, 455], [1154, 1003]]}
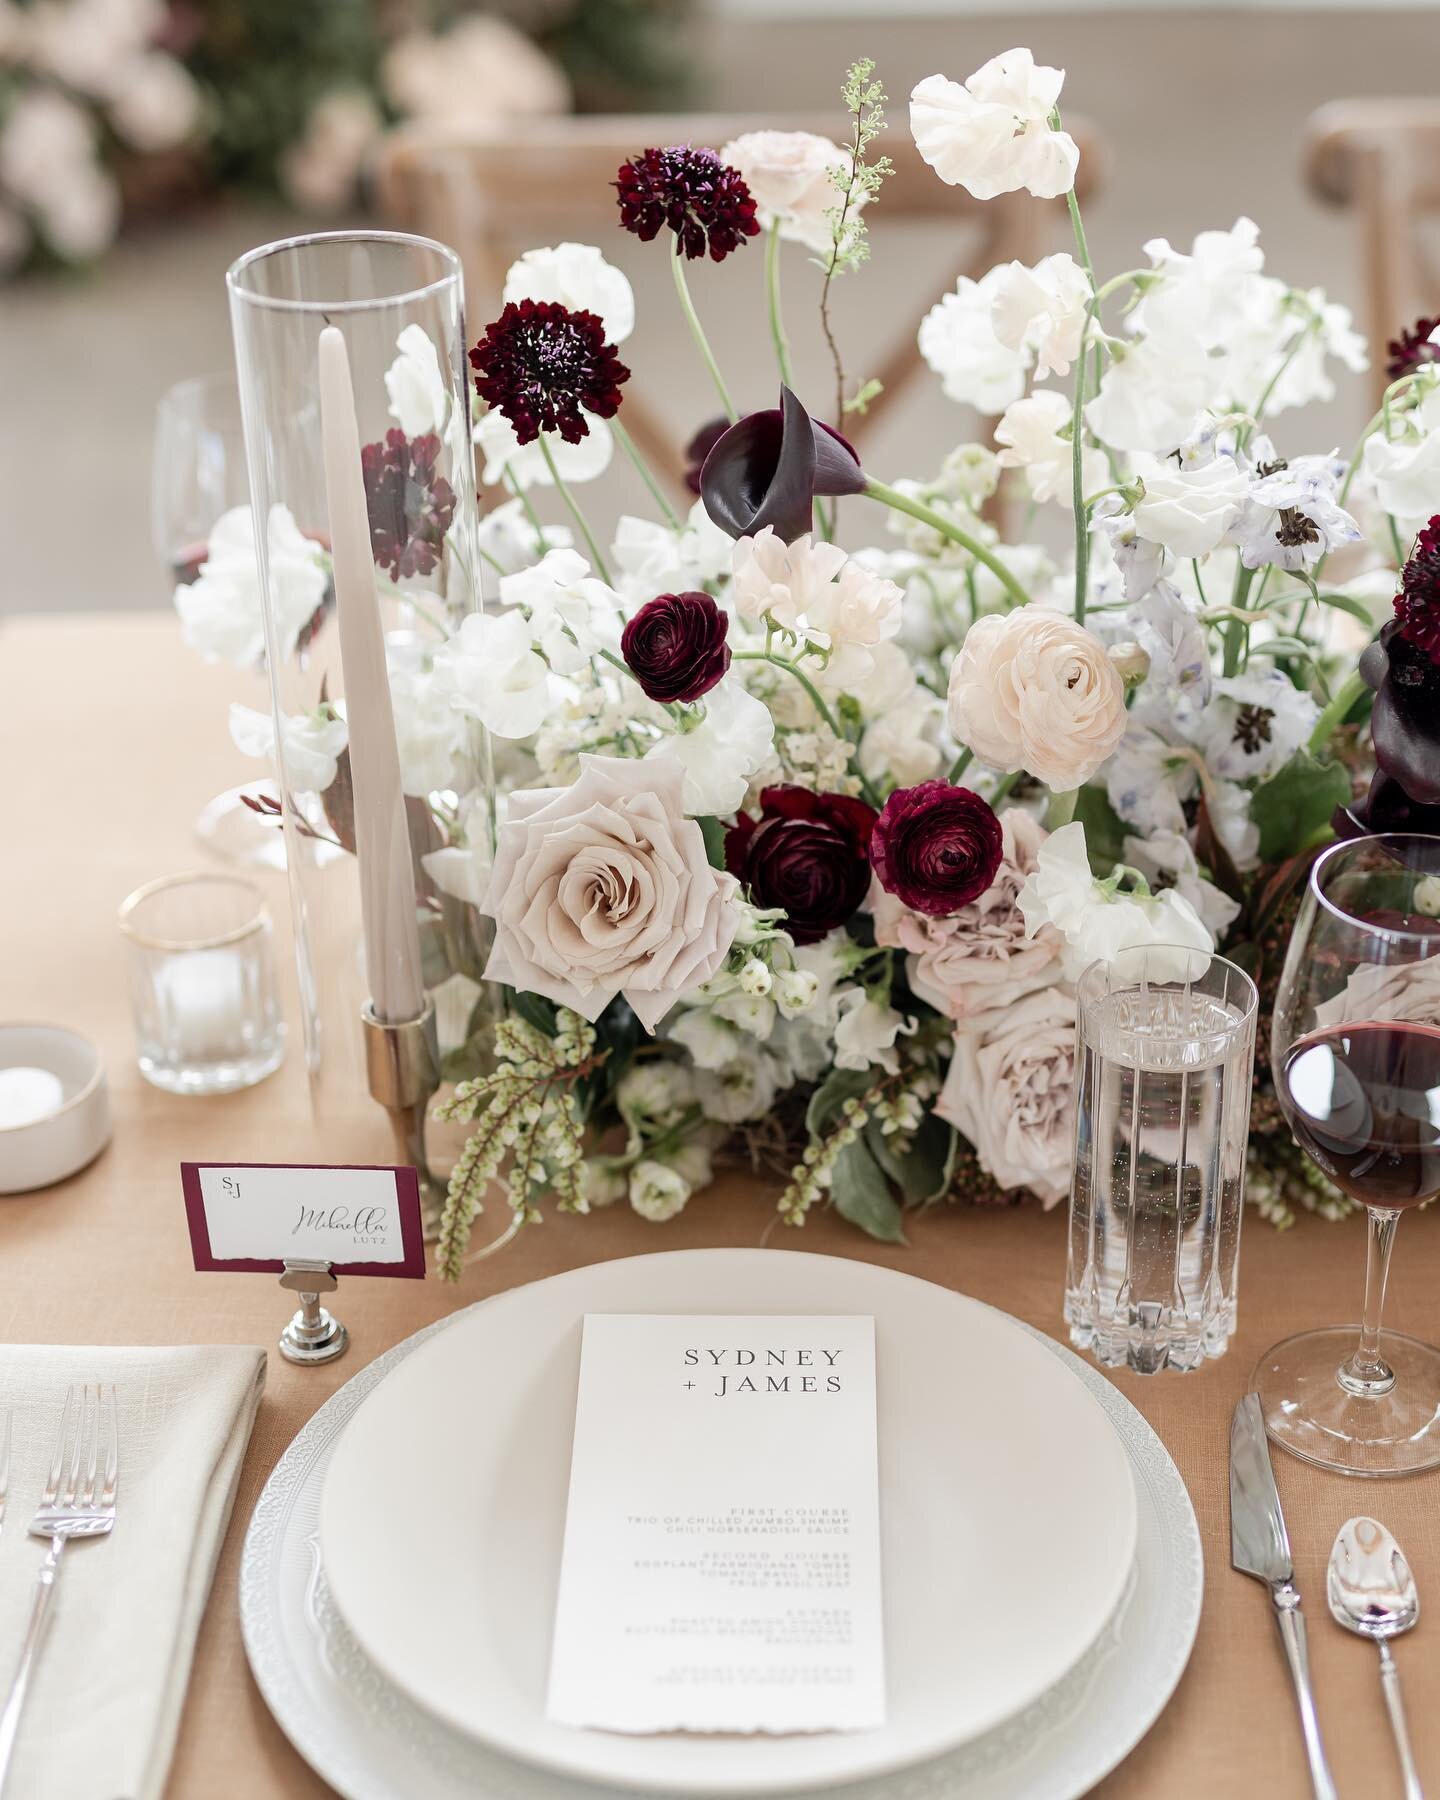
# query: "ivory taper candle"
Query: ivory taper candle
{"points": [[382, 840]]}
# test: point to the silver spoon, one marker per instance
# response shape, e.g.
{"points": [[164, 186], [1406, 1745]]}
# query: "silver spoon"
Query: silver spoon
{"points": [[1372, 1593]]}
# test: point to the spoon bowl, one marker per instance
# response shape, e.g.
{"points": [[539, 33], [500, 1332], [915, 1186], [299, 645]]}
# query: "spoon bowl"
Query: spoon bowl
{"points": [[1372, 1592]]}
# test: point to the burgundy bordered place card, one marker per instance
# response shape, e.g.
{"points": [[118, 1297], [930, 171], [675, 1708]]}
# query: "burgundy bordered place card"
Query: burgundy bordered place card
{"points": [[252, 1218]]}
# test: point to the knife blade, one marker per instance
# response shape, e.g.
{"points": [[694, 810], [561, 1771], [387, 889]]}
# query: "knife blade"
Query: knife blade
{"points": [[1260, 1546]]}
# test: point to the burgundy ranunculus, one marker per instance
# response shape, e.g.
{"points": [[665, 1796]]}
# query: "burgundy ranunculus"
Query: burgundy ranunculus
{"points": [[1405, 719], [768, 468], [807, 853], [675, 646], [936, 847]]}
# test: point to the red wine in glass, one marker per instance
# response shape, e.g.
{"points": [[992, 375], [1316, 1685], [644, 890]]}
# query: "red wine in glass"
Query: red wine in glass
{"points": [[1364, 1103]]}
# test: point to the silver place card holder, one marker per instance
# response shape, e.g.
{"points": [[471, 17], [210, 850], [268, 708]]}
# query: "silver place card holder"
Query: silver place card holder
{"points": [[314, 1335]]}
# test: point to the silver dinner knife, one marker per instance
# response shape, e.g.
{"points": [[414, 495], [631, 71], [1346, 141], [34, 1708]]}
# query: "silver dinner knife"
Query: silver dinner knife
{"points": [[1260, 1546]]}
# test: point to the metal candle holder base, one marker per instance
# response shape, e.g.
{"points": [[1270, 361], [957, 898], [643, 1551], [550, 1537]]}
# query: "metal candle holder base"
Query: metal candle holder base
{"points": [[402, 1065]]}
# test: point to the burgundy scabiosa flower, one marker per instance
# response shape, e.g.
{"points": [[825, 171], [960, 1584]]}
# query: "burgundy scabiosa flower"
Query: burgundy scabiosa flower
{"points": [[936, 847], [768, 468], [675, 646], [409, 503], [1412, 349], [687, 188], [807, 853], [544, 367], [1417, 605]]}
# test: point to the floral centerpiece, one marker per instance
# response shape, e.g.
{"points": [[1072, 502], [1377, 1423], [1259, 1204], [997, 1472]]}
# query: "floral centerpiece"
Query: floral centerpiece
{"points": [[799, 849]]}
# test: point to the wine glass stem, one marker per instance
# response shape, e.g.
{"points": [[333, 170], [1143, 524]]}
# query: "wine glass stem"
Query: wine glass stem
{"points": [[1366, 1372]]}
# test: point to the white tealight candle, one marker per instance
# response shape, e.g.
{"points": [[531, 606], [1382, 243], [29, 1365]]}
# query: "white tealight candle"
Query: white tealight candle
{"points": [[202, 1004], [28, 1094]]}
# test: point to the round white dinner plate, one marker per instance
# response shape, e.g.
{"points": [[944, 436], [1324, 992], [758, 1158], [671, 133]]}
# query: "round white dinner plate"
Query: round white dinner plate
{"points": [[370, 1743], [1008, 1518]]}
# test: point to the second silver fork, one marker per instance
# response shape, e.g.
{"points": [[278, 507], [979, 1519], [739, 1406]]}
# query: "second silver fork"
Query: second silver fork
{"points": [[79, 1501]]}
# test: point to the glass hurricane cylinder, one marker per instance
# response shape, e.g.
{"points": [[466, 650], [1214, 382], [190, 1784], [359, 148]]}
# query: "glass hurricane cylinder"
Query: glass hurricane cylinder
{"points": [[398, 302], [1165, 1052]]}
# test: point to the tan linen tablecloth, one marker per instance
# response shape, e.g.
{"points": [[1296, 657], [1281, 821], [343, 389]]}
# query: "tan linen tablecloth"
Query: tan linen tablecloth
{"points": [[111, 738]]}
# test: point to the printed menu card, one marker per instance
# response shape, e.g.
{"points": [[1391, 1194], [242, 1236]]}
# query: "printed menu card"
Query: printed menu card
{"points": [[721, 1569]]}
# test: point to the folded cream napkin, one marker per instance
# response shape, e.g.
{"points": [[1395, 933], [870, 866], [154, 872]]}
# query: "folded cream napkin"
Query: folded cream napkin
{"points": [[105, 1702]]}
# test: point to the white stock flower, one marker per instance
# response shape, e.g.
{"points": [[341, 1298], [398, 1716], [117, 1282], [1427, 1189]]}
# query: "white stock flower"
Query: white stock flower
{"points": [[788, 175], [524, 465], [739, 1090], [490, 670], [1033, 690], [419, 398], [994, 135], [657, 1192], [957, 339], [221, 611], [722, 752], [508, 539], [866, 1030], [1097, 924], [1030, 433], [573, 614], [311, 743], [653, 1096], [1189, 511], [1042, 309], [576, 276]]}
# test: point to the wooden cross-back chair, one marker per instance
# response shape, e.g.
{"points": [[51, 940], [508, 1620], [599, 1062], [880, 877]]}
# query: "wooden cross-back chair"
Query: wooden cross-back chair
{"points": [[492, 195], [1381, 159]]}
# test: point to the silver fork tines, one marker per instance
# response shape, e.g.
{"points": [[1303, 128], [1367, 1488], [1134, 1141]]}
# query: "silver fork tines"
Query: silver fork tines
{"points": [[78, 1501]]}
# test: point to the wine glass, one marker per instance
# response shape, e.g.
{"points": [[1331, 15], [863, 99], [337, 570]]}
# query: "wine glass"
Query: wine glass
{"points": [[197, 475], [1355, 1049]]}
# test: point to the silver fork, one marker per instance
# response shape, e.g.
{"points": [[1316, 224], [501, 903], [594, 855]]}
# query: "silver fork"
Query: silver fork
{"points": [[79, 1501]]}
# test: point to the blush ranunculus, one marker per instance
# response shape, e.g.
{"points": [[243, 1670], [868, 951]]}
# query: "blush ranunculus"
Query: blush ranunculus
{"points": [[936, 847], [807, 853], [675, 646]]}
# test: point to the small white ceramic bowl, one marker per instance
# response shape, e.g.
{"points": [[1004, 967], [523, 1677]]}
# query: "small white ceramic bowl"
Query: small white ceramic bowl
{"points": [[38, 1151]]}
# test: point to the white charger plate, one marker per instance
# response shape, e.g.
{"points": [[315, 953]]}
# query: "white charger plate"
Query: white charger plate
{"points": [[1008, 1518], [370, 1743]]}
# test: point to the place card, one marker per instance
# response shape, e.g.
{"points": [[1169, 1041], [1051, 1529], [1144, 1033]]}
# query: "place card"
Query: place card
{"points": [[721, 1569], [256, 1217]]}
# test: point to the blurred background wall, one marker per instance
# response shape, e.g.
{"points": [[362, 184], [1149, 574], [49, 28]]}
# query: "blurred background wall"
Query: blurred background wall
{"points": [[1201, 111]]}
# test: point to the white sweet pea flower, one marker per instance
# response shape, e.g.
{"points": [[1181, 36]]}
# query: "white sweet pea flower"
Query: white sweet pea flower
{"points": [[993, 135], [462, 868], [509, 541], [815, 591], [1406, 472], [1168, 856], [1030, 435], [1254, 724], [1096, 922], [788, 175], [866, 1030], [1204, 298], [524, 466], [490, 670], [573, 614], [221, 611], [1151, 394], [419, 398], [722, 752], [1292, 516], [1042, 309], [429, 733], [576, 276], [957, 339], [1189, 511], [652, 558], [311, 742]]}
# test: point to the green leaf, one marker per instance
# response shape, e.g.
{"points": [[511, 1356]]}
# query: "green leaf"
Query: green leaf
{"points": [[1104, 830], [713, 833], [862, 1195], [921, 1165], [838, 1086], [534, 1009], [1292, 809]]}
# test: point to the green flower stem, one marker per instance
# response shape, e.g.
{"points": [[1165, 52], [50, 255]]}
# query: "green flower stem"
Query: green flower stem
{"points": [[527, 506], [888, 496], [1003, 788], [817, 700], [1077, 422], [697, 331], [1274, 381], [1061, 809], [960, 765], [581, 522], [632, 450], [772, 295], [1344, 698], [1236, 626]]}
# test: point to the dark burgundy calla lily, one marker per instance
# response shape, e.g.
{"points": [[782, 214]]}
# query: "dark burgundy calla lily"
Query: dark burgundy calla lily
{"points": [[700, 446], [769, 468], [1405, 719], [1386, 807]]}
